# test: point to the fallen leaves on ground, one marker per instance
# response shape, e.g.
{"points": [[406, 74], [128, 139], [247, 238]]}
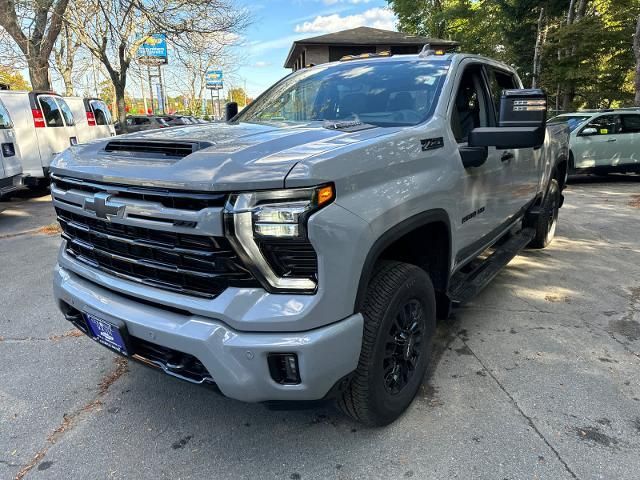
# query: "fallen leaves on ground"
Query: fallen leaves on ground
{"points": [[53, 229]]}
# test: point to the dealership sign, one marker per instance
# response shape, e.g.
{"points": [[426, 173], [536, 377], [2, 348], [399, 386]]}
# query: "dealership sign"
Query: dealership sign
{"points": [[214, 79], [154, 49]]}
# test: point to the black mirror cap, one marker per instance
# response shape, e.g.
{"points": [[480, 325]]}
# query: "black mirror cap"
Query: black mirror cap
{"points": [[523, 108], [507, 137], [231, 110]]}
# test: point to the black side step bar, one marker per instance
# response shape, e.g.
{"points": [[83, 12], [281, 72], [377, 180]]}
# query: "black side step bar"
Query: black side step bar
{"points": [[465, 286]]}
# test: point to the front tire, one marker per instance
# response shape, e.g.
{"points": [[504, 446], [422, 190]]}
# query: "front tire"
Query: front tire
{"points": [[546, 222], [399, 322]]}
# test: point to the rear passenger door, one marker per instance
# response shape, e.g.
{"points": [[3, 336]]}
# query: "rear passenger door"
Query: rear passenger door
{"points": [[102, 116], [629, 138], [56, 136], [523, 165]]}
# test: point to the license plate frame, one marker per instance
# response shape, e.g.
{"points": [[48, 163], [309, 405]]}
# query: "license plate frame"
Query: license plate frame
{"points": [[111, 334]]}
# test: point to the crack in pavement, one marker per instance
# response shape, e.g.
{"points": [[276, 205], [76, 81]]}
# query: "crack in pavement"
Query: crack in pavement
{"points": [[20, 234], [52, 338], [519, 409], [71, 420]]}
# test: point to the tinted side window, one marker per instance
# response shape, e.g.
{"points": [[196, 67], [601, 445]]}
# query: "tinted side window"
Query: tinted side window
{"points": [[605, 125], [51, 112], [471, 107], [499, 81], [142, 121], [630, 123], [5, 120], [66, 112], [101, 112]]}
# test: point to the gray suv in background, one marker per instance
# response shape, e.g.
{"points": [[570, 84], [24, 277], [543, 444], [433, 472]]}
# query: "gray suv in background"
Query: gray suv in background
{"points": [[304, 249], [140, 123]]}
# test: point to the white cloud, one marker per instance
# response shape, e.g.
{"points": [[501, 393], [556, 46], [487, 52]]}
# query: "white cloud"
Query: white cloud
{"points": [[375, 17], [262, 64]]}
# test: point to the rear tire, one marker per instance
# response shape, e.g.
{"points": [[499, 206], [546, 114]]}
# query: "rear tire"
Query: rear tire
{"points": [[399, 322], [546, 222]]}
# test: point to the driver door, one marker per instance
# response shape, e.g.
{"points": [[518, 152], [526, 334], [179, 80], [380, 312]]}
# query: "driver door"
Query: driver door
{"points": [[483, 206], [599, 149]]}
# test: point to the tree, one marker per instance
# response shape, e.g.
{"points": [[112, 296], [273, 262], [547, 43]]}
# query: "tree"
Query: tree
{"points": [[580, 51], [13, 78], [64, 56], [238, 95], [119, 27], [34, 25], [636, 51]]}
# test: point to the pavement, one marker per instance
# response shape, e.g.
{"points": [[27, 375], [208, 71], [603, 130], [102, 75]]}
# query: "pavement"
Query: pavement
{"points": [[537, 378]]}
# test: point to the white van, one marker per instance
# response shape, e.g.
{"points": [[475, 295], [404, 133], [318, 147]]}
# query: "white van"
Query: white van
{"points": [[10, 166], [44, 126], [93, 119]]}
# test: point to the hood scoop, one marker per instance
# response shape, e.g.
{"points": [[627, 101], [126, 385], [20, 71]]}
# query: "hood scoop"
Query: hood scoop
{"points": [[155, 148]]}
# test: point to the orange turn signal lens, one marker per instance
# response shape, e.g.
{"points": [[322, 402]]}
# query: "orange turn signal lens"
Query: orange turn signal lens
{"points": [[325, 195]]}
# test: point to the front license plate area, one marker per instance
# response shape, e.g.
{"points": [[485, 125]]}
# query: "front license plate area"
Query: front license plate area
{"points": [[110, 335]]}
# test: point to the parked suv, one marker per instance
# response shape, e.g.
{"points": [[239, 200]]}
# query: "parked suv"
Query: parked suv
{"points": [[140, 123], [303, 250], [603, 141]]}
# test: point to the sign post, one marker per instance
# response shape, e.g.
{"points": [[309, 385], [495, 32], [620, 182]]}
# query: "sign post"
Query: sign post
{"points": [[214, 81], [153, 53]]}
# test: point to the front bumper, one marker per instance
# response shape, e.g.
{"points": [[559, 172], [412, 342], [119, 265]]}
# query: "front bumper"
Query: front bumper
{"points": [[10, 184], [236, 360]]}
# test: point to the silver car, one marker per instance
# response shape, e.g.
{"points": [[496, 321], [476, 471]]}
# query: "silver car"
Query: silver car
{"points": [[603, 141]]}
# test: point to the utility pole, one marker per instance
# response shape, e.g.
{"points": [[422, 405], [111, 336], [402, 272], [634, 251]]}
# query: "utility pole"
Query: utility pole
{"points": [[150, 90]]}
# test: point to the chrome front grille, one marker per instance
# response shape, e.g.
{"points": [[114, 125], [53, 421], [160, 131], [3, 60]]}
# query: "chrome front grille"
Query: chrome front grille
{"points": [[149, 243]]}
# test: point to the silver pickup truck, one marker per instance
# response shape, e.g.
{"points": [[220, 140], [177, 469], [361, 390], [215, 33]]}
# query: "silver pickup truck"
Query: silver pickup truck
{"points": [[304, 249]]}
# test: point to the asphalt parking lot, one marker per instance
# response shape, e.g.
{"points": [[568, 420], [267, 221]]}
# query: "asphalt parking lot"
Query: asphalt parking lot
{"points": [[537, 378]]}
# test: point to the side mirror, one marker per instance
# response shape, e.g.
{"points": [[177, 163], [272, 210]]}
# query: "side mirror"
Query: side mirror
{"points": [[589, 131], [523, 117], [523, 108], [231, 110]]}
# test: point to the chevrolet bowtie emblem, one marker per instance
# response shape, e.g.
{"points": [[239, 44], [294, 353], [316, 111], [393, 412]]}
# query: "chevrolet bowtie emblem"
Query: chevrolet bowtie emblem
{"points": [[101, 205]]}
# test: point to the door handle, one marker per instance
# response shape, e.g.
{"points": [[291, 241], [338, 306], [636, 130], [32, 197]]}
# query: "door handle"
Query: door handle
{"points": [[506, 156], [611, 140]]}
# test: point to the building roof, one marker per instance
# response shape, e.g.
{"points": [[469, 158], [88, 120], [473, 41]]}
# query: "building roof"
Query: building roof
{"points": [[363, 36]]}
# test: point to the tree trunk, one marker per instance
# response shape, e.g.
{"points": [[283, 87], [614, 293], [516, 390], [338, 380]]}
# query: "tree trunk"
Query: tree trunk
{"points": [[68, 83], [636, 50], [119, 88], [568, 96], [39, 73], [537, 51]]}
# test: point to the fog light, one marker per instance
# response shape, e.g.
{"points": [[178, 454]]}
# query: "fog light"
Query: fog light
{"points": [[283, 368]]}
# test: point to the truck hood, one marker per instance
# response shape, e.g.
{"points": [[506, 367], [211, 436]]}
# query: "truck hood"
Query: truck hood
{"points": [[231, 157]]}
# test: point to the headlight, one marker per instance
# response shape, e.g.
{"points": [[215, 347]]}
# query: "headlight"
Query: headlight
{"points": [[268, 229]]}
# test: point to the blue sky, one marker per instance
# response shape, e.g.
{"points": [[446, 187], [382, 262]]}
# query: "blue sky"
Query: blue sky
{"points": [[277, 23]]}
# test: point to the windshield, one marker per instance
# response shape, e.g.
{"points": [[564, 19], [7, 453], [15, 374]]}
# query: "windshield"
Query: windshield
{"points": [[572, 121], [382, 93]]}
